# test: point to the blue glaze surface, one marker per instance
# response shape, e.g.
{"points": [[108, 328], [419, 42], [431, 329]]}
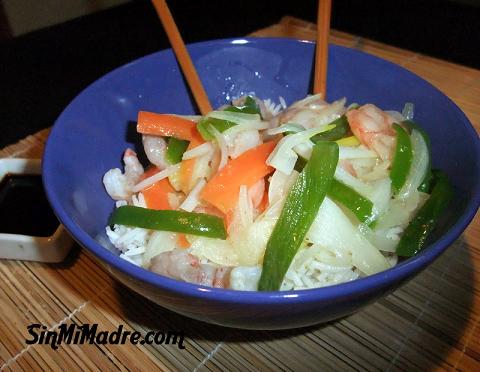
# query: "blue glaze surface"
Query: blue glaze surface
{"points": [[93, 131]]}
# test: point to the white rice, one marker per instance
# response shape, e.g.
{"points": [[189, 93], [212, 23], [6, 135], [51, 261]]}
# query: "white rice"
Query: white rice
{"points": [[130, 241], [139, 200], [313, 273], [273, 108]]}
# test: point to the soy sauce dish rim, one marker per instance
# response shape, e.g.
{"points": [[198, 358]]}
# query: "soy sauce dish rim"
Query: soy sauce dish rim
{"points": [[386, 281], [20, 167]]}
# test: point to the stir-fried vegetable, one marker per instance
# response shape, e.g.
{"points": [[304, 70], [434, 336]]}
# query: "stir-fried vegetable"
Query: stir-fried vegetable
{"points": [[402, 159], [166, 125], [417, 231], [156, 195], [224, 120], [332, 229], [361, 207], [419, 168], [340, 130], [350, 141], [300, 209], [426, 184], [187, 166], [249, 107], [177, 221], [222, 190], [175, 150], [284, 157], [204, 125]]}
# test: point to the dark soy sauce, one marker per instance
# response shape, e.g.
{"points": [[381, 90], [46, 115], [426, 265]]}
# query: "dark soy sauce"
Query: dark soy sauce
{"points": [[24, 208]]}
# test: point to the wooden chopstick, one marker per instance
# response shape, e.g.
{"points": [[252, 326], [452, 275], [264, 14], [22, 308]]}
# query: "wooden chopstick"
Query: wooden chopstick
{"points": [[321, 51], [183, 57]]}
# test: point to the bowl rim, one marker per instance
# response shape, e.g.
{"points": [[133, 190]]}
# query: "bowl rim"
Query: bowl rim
{"points": [[383, 279]]}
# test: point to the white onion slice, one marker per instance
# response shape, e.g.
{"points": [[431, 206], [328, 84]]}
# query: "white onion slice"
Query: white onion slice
{"points": [[280, 185], [232, 131], [419, 165], [192, 200], [332, 229], [361, 187], [200, 150], [304, 149], [359, 152], [283, 157], [380, 238], [156, 177], [288, 127], [222, 144], [239, 118]]}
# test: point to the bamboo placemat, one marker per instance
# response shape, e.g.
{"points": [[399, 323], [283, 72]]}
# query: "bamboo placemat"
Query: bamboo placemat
{"points": [[431, 323]]}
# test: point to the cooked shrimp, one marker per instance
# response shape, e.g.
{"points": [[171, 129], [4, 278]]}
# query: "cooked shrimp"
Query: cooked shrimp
{"points": [[181, 265], [119, 185], [348, 166], [242, 142], [133, 168], [155, 148], [115, 184], [373, 127], [312, 112]]}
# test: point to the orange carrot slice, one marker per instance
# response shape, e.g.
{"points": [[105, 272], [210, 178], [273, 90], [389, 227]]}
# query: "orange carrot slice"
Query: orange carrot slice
{"points": [[166, 125], [222, 190], [156, 195]]}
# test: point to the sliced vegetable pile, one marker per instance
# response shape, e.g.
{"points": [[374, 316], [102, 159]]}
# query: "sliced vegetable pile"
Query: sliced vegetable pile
{"points": [[257, 196], [300, 209]]}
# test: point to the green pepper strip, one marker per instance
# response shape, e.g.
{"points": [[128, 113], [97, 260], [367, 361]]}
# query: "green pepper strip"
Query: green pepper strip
{"points": [[402, 159], [361, 207], [248, 107], [165, 220], [203, 127], [426, 185], [341, 129], [300, 209], [175, 149], [417, 231]]}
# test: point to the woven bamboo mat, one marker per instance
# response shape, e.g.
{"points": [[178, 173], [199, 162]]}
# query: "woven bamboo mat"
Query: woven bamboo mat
{"points": [[429, 324]]}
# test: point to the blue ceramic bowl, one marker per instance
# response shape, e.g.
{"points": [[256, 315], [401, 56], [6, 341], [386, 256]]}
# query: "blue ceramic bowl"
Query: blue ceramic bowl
{"points": [[91, 134]]}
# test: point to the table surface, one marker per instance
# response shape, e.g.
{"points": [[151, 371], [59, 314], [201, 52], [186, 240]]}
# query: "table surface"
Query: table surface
{"points": [[430, 323]]}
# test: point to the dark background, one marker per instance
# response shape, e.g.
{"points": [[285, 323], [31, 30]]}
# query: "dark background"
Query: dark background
{"points": [[42, 71]]}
